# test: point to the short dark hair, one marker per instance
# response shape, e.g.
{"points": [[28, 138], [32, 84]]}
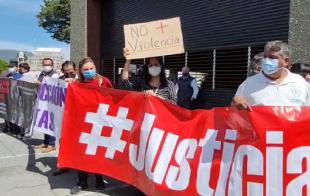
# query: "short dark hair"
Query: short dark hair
{"points": [[67, 63], [25, 66], [302, 69], [296, 68], [48, 59]]}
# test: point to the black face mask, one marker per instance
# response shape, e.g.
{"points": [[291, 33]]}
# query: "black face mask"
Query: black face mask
{"points": [[185, 74], [69, 75]]}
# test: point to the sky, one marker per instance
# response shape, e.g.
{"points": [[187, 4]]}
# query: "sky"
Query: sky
{"points": [[20, 30]]}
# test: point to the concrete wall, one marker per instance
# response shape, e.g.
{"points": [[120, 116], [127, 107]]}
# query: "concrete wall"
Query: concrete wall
{"points": [[78, 30], [94, 33], [299, 33], [86, 31], [86, 14]]}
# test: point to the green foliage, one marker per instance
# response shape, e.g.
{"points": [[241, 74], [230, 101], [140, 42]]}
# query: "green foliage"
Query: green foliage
{"points": [[54, 17], [3, 65]]}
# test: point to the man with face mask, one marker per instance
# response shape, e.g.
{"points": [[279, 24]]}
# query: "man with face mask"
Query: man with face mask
{"points": [[275, 85], [187, 89], [48, 71], [10, 72], [68, 69]]}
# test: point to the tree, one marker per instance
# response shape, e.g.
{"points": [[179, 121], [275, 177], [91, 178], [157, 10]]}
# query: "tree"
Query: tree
{"points": [[54, 17], [3, 65]]}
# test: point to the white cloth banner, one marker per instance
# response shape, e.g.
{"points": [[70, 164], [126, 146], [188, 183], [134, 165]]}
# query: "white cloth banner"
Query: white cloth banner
{"points": [[50, 106]]}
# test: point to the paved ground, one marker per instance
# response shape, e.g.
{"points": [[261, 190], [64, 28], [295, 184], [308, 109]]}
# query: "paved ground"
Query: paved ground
{"points": [[27, 172]]}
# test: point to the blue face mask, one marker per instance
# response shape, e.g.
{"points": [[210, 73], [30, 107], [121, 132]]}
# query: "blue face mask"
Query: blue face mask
{"points": [[270, 66], [89, 74]]}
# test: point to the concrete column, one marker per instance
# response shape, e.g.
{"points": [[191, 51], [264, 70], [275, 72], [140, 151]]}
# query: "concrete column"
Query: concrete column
{"points": [[78, 33], [299, 30], [94, 33]]}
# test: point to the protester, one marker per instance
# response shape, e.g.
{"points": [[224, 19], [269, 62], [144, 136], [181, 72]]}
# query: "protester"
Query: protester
{"points": [[16, 73], [9, 73], [305, 71], [48, 71], [275, 85], [187, 89], [152, 81], [24, 70], [256, 64], [302, 69], [296, 68], [88, 75], [21, 74], [68, 69]]}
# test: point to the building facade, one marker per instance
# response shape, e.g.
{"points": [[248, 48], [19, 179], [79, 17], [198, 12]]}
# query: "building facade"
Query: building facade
{"points": [[220, 36], [35, 61]]}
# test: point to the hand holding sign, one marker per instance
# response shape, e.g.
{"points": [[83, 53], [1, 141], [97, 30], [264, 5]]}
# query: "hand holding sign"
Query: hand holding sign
{"points": [[125, 71], [156, 38]]}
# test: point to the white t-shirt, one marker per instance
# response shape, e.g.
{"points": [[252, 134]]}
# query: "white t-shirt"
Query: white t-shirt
{"points": [[260, 90]]}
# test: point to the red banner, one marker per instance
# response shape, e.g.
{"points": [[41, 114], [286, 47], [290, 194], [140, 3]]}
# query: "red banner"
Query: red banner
{"points": [[163, 149]]}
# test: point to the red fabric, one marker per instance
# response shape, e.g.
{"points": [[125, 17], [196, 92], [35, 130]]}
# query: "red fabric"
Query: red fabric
{"points": [[173, 122], [106, 83]]}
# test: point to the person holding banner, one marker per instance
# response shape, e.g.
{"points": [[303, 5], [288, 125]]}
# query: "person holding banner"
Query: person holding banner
{"points": [[153, 79], [24, 70], [11, 71], [48, 71], [275, 85], [88, 75], [68, 69]]}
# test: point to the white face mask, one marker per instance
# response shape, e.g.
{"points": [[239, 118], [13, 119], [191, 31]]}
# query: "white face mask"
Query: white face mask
{"points": [[154, 71], [47, 68], [12, 69]]}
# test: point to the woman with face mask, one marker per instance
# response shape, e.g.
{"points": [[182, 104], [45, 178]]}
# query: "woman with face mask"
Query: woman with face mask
{"points": [[152, 80], [88, 75]]}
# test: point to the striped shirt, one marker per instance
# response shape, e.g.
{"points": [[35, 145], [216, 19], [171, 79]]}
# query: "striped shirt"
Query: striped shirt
{"points": [[137, 84]]}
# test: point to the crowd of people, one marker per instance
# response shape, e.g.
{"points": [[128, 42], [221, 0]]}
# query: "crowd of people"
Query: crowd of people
{"points": [[270, 83]]}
